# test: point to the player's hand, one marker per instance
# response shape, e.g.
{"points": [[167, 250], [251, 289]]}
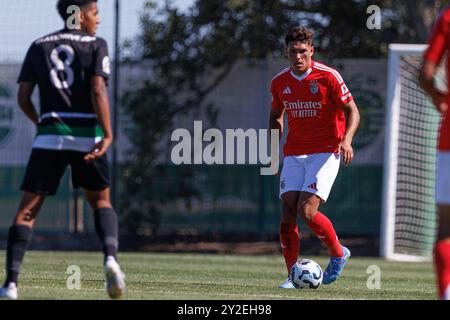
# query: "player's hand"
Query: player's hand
{"points": [[345, 148], [99, 149], [440, 102]]}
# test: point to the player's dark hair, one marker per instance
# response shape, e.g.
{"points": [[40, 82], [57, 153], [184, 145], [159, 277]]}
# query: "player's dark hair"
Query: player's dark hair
{"points": [[64, 4], [299, 34]]}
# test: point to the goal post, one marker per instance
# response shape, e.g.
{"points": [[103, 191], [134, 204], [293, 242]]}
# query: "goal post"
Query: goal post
{"points": [[411, 127]]}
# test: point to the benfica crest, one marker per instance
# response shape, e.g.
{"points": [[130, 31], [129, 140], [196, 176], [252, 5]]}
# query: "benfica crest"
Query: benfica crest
{"points": [[313, 87]]}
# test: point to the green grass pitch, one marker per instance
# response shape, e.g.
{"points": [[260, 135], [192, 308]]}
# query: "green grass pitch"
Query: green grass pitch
{"points": [[223, 277]]}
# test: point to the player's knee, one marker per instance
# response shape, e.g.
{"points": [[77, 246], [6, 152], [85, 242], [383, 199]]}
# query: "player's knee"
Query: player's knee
{"points": [[101, 203], [307, 211], [99, 199], [444, 222], [443, 233], [25, 217]]}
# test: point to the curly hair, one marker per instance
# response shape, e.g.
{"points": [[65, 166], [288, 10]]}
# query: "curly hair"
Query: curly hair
{"points": [[64, 4], [300, 34]]}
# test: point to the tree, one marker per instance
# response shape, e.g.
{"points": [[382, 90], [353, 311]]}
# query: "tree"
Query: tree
{"points": [[190, 53]]}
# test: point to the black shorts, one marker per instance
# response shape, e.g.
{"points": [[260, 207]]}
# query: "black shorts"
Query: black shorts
{"points": [[46, 167]]}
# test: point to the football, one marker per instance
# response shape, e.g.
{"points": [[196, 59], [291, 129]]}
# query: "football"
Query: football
{"points": [[306, 274]]}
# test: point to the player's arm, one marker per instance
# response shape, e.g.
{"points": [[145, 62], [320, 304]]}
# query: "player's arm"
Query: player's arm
{"points": [[276, 112], [276, 120], [432, 58], [24, 100], [353, 120], [100, 101], [426, 80]]}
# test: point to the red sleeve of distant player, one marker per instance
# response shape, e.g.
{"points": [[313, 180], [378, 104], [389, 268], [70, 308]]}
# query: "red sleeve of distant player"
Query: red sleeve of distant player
{"points": [[339, 92], [276, 103], [438, 38]]}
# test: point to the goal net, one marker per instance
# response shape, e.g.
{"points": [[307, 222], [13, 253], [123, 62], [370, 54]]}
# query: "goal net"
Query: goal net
{"points": [[408, 220]]}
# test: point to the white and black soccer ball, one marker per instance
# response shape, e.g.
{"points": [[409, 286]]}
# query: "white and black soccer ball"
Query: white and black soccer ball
{"points": [[306, 274]]}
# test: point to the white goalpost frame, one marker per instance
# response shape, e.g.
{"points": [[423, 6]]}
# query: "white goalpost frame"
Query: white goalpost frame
{"points": [[391, 153]]}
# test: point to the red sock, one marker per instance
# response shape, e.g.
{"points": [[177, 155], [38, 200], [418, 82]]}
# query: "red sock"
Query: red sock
{"points": [[323, 228], [290, 243], [442, 265]]}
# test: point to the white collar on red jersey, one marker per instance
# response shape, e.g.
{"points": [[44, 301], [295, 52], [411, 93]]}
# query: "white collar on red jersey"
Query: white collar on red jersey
{"points": [[303, 76]]}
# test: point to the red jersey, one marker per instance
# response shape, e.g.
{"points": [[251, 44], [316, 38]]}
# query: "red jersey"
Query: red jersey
{"points": [[439, 43], [313, 103]]}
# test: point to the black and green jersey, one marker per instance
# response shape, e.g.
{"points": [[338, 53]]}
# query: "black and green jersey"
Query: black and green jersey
{"points": [[62, 65]]}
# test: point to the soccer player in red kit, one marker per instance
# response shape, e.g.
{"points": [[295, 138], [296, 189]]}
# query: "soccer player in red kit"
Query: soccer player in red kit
{"points": [[439, 43], [315, 98]]}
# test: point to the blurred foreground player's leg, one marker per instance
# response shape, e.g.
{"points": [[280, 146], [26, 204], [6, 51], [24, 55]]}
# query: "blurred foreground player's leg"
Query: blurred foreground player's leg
{"points": [[71, 67], [439, 43], [441, 251]]}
